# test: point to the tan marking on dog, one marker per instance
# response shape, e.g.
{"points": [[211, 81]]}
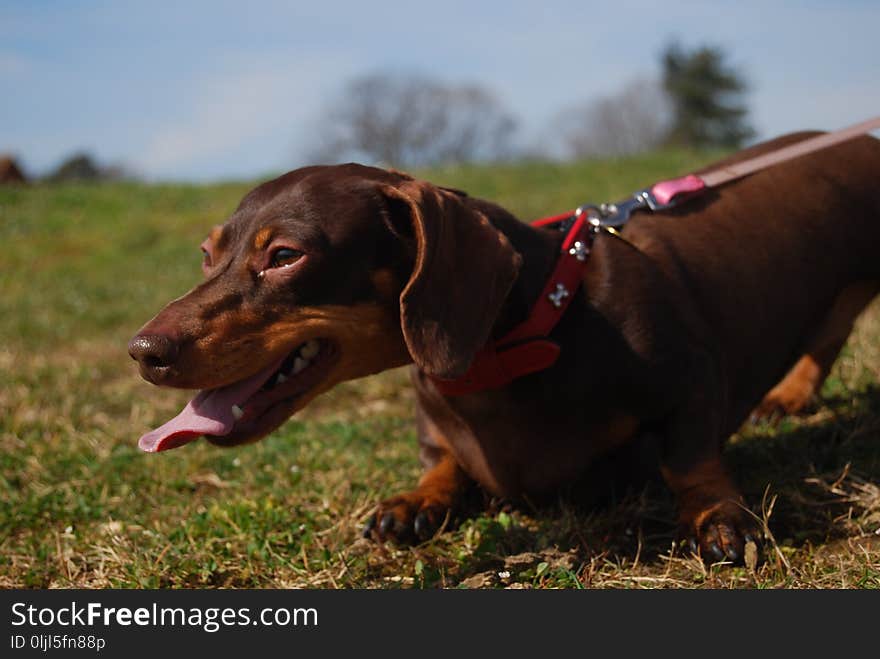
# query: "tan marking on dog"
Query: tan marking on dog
{"points": [[218, 243], [701, 490], [795, 391], [444, 478], [262, 238], [699, 520], [367, 337], [803, 381], [385, 283]]}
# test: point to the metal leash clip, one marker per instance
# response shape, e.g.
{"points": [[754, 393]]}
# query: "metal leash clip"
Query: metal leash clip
{"points": [[616, 215]]}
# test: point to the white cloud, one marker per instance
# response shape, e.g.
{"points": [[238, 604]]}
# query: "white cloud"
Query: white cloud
{"points": [[227, 113]]}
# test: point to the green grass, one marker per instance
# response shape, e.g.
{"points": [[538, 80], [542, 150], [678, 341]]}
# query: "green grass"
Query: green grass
{"points": [[82, 267]]}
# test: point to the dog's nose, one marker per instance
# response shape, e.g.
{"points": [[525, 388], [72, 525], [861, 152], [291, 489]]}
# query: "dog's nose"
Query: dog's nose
{"points": [[156, 354]]}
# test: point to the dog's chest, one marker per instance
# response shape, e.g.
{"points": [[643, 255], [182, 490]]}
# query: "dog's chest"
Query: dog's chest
{"points": [[511, 452]]}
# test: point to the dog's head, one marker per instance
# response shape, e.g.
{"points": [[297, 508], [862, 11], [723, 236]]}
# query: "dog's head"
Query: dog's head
{"points": [[323, 275]]}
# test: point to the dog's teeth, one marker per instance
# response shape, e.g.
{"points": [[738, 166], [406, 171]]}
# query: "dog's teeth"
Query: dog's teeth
{"points": [[287, 366], [299, 364], [237, 412], [281, 379], [310, 349]]}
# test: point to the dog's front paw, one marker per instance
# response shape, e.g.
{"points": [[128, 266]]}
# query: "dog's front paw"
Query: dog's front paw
{"points": [[787, 398], [409, 517], [720, 532]]}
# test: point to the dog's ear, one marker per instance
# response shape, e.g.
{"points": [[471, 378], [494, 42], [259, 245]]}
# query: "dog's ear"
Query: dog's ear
{"points": [[463, 270]]}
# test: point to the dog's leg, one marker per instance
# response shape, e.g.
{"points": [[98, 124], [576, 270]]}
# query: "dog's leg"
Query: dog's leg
{"points": [[713, 518], [418, 514], [801, 384]]}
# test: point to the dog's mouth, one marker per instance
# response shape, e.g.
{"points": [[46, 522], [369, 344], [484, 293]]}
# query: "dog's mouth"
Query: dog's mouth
{"points": [[250, 408]]}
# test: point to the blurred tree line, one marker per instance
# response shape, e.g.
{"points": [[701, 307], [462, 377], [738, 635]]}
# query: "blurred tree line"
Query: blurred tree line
{"points": [[79, 167], [83, 167], [414, 121], [411, 121]]}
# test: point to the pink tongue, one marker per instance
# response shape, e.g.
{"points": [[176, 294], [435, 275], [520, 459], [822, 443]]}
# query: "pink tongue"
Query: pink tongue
{"points": [[209, 413]]}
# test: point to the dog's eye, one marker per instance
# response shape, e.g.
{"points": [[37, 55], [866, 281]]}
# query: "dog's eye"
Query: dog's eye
{"points": [[206, 258], [283, 257]]}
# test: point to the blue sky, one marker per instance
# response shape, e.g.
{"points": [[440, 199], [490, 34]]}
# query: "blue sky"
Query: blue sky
{"points": [[209, 90]]}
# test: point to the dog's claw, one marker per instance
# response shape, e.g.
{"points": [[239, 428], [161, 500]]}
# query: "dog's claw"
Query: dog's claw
{"points": [[421, 525], [715, 552], [409, 518], [386, 524], [723, 534]]}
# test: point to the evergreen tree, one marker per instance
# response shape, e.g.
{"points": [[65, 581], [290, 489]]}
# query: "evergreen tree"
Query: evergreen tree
{"points": [[706, 96]]}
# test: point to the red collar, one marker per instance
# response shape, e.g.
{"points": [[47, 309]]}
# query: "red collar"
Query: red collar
{"points": [[526, 348]]}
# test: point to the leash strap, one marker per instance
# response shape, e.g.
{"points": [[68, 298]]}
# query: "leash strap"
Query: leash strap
{"points": [[665, 194], [746, 167]]}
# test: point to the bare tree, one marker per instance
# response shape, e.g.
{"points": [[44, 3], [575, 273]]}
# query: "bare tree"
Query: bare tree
{"points": [[412, 121], [635, 119]]}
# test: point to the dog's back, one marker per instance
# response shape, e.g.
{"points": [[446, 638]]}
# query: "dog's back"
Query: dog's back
{"points": [[764, 261]]}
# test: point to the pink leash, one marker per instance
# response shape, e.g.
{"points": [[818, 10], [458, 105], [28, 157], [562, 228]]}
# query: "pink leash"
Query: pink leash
{"points": [[666, 194]]}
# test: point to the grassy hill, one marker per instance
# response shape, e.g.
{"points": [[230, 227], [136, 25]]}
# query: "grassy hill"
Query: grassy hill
{"points": [[82, 267]]}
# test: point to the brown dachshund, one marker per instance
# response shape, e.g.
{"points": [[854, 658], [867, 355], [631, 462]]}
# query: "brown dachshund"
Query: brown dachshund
{"points": [[734, 303]]}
